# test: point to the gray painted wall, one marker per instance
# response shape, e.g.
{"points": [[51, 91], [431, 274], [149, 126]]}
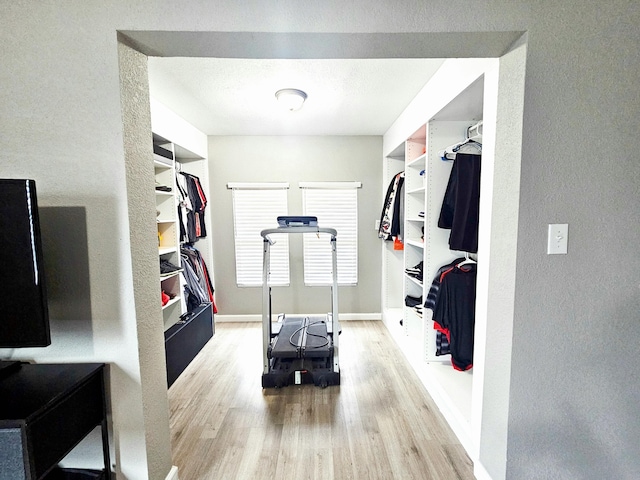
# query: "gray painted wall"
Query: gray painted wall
{"points": [[575, 362], [294, 160]]}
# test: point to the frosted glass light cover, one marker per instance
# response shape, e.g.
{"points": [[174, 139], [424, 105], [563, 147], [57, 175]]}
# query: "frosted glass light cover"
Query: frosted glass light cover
{"points": [[291, 98]]}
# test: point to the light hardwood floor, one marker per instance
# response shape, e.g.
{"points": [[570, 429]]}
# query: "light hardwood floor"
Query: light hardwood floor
{"points": [[378, 424]]}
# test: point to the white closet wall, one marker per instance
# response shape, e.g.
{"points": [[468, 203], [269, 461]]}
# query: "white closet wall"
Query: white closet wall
{"points": [[439, 116]]}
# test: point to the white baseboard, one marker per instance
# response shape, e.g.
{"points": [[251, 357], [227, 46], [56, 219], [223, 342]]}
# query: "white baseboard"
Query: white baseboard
{"points": [[480, 472], [360, 316], [173, 473], [258, 318]]}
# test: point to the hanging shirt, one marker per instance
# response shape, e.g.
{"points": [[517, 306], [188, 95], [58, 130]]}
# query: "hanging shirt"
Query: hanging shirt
{"points": [[455, 313], [390, 218], [461, 204], [442, 341]]}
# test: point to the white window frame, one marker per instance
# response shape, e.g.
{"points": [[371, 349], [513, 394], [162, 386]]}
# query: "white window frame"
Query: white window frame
{"points": [[256, 206], [336, 206]]}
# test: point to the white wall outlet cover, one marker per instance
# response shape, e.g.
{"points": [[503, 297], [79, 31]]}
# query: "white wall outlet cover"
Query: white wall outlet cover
{"points": [[557, 238]]}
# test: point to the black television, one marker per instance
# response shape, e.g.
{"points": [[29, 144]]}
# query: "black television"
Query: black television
{"points": [[24, 314]]}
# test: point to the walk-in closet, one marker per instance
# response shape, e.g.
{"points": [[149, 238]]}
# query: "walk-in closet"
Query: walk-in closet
{"points": [[185, 250], [425, 261], [441, 146]]}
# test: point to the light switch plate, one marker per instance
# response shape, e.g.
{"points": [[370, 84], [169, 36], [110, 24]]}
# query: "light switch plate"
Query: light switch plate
{"points": [[557, 238]]}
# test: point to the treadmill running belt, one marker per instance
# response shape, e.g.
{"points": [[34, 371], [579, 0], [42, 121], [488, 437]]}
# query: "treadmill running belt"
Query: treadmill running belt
{"points": [[291, 329], [302, 337], [317, 341]]}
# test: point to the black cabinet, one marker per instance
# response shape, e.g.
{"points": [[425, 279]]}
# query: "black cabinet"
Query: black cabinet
{"points": [[45, 411], [183, 341]]}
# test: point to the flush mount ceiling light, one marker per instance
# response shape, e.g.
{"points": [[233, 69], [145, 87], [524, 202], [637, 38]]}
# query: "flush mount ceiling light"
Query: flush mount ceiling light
{"points": [[291, 98]]}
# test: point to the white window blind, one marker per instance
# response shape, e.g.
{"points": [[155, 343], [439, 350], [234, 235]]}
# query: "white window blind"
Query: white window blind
{"points": [[336, 206], [256, 207]]}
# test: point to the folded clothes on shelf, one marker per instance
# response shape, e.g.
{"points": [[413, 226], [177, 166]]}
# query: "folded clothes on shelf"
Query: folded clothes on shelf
{"points": [[167, 267]]}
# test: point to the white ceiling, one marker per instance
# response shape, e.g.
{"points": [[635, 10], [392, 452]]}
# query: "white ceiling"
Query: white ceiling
{"points": [[236, 96]]}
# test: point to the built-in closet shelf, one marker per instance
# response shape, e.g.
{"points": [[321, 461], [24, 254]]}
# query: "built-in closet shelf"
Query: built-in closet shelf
{"points": [[161, 164], [413, 280], [171, 302], [417, 220], [165, 276], [414, 243], [165, 220], [160, 193], [416, 191], [417, 162], [167, 250]]}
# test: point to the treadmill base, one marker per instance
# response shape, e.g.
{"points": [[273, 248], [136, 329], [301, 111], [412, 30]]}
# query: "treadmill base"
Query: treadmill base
{"points": [[284, 372]]}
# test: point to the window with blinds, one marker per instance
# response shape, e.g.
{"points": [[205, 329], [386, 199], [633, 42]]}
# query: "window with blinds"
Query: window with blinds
{"points": [[256, 206], [336, 206]]}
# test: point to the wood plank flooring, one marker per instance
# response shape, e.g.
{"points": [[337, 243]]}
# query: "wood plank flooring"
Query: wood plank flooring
{"points": [[378, 424]]}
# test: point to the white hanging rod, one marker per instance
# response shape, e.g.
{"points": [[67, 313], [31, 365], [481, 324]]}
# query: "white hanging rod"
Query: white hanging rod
{"points": [[474, 136], [475, 131]]}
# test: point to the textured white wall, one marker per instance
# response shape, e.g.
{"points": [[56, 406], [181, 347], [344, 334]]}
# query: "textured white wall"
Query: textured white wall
{"points": [[136, 117], [496, 273], [573, 408]]}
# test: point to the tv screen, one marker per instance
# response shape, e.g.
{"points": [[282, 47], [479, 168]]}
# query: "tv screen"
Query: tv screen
{"points": [[24, 315]]}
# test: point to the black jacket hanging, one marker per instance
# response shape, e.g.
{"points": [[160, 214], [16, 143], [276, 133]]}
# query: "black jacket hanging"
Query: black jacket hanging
{"points": [[461, 204]]}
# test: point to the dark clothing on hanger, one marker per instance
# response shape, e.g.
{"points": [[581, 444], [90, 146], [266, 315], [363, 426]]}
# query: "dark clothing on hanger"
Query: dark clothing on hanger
{"points": [[442, 342], [455, 313], [461, 204], [197, 275], [194, 209], [390, 219]]}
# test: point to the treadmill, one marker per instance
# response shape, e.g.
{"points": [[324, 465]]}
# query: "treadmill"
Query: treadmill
{"points": [[299, 349]]}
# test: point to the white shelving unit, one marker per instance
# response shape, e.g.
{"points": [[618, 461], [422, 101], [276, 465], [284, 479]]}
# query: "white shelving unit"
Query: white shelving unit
{"points": [[414, 247], [168, 231], [426, 178], [184, 160], [392, 260], [185, 335]]}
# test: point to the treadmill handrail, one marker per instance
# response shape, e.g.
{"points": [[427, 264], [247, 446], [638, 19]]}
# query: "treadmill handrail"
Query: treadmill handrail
{"points": [[297, 229]]}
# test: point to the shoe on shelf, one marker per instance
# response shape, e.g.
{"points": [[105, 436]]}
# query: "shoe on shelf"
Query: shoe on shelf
{"points": [[164, 298], [162, 188]]}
